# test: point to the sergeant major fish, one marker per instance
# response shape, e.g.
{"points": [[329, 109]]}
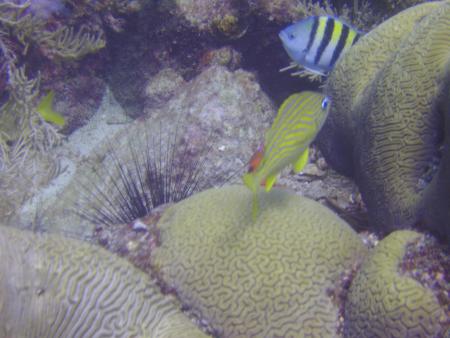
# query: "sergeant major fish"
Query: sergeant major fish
{"points": [[297, 123], [317, 42]]}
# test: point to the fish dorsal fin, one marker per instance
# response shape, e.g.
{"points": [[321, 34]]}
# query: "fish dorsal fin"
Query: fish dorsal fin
{"points": [[281, 111], [301, 162], [271, 134]]}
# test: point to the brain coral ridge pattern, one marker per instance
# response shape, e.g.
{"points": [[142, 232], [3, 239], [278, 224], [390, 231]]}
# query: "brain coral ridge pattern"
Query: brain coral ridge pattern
{"points": [[384, 302], [390, 117], [56, 287], [269, 278]]}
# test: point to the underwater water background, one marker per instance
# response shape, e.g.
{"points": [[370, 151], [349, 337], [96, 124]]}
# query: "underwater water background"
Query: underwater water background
{"points": [[207, 168]]}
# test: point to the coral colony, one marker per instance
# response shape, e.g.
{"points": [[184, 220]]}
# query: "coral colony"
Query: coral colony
{"points": [[114, 227]]}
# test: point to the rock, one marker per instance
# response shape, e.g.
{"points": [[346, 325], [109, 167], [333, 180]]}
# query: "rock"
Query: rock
{"points": [[225, 56], [220, 113], [213, 16], [281, 10], [77, 99], [161, 87], [224, 109]]}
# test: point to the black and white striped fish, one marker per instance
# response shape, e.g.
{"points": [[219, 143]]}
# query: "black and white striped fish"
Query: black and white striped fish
{"points": [[317, 42]]}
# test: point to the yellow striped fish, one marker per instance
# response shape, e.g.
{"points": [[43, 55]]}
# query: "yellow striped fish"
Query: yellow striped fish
{"points": [[317, 42], [297, 123]]}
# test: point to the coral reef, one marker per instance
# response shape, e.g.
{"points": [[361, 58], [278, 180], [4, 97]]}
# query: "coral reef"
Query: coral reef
{"points": [[387, 124], [272, 277], [162, 87], [224, 111], [178, 34], [19, 117], [41, 34], [70, 44], [54, 286], [205, 67], [211, 15], [25, 139], [78, 97], [385, 301], [361, 13], [36, 37], [21, 28]]}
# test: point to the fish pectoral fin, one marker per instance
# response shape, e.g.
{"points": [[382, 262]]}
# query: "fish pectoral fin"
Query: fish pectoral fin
{"points": [[315, 71], [270, 181], [292, 65], [301, 162]]}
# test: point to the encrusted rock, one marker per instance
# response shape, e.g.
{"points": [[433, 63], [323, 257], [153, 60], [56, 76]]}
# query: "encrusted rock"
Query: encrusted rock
{"points": [[162, 87], [220, 113]]}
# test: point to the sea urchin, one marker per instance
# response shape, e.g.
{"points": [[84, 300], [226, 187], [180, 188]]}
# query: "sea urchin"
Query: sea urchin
{"points": [[158, 171]]}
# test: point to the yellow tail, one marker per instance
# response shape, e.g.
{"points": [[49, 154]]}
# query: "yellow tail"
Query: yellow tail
{"points": [[253, 185]]}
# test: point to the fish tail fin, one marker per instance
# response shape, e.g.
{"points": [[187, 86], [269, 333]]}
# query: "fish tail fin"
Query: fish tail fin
{"points": [[252, 183]]}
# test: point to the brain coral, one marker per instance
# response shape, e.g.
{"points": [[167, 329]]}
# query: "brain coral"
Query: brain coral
{"points": [[385, 302], [56, 287], [390, 116], [269, 278]]}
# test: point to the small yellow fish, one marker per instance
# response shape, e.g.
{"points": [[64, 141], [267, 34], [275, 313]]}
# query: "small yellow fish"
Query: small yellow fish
{"points": [[45, 109], [298, 121]]}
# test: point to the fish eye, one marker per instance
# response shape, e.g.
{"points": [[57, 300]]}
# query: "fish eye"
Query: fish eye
{"points": [[325, 103], [291, 36]]}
